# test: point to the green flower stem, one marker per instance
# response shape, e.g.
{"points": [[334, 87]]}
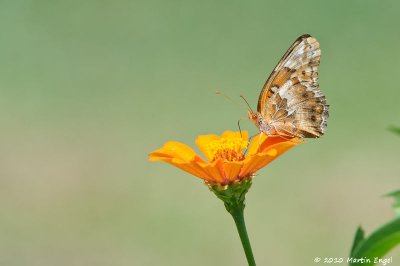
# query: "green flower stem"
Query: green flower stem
{"points": [[241, 227], [234, 196]]}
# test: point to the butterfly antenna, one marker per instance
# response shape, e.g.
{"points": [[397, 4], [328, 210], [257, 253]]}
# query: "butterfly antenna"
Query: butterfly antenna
{"points": [[240, 130], [227, 97], [241, 96]]}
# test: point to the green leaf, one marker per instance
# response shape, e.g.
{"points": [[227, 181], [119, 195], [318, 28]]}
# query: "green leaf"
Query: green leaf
{"points": [[396, 205], [377, 244], [395, 129], [358, 238]]}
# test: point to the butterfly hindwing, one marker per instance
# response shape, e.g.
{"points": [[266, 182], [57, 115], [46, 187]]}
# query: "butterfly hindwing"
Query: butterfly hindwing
{"points": [[291, 101]]}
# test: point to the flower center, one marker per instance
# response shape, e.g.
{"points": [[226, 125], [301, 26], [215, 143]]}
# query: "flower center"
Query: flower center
{"points": [[230, 149]]}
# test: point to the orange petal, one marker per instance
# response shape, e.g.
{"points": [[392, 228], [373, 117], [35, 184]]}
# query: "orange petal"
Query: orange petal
{"points": [[202, 142], [235, 134], [272, 141], [255, 162], [232, 170], [191, 167], [173, 149], [262, 142], [215, 171], [256, 142], [281, 147]]}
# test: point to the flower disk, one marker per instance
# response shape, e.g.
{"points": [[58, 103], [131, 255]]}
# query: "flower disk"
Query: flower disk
{"points": [[230, 157], [230, 149]]}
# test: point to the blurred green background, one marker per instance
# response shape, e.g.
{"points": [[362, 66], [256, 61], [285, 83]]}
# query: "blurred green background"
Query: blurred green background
{"points": [[89, 88]]}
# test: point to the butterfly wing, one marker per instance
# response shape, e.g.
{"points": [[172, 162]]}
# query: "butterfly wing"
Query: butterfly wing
{"points": [[291, 102]]}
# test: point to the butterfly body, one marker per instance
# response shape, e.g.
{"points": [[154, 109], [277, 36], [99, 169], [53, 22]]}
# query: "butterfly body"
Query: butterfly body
{"points": [[291, 103], [260, 122]]}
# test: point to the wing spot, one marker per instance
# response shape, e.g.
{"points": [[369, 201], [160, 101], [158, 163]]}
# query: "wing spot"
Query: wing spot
{"points": [[313, 118], [308, 94], [317, 109]]}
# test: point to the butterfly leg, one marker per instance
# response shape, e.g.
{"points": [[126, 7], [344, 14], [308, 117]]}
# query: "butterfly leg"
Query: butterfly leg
{"points": [[250, 139], [285, 138]]}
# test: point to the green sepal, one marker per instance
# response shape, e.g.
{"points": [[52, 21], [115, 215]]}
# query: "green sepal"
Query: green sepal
{"points": [[233, 195]]}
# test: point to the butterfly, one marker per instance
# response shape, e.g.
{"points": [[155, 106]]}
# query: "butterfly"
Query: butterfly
{"points": [[290, 103]]}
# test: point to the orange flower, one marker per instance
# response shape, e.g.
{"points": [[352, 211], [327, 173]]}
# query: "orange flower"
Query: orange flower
{"points": [[230, 157]]}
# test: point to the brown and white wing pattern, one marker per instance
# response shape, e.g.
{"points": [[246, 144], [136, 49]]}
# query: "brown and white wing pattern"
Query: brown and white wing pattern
{"points": [[291, 103]]}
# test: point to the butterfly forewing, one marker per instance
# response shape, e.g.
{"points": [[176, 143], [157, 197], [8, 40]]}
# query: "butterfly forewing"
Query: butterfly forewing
{"points": [[291, 103]]}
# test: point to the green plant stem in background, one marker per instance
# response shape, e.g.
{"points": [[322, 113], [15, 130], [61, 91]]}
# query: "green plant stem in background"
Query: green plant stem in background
{"points": [[238, 216]]}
